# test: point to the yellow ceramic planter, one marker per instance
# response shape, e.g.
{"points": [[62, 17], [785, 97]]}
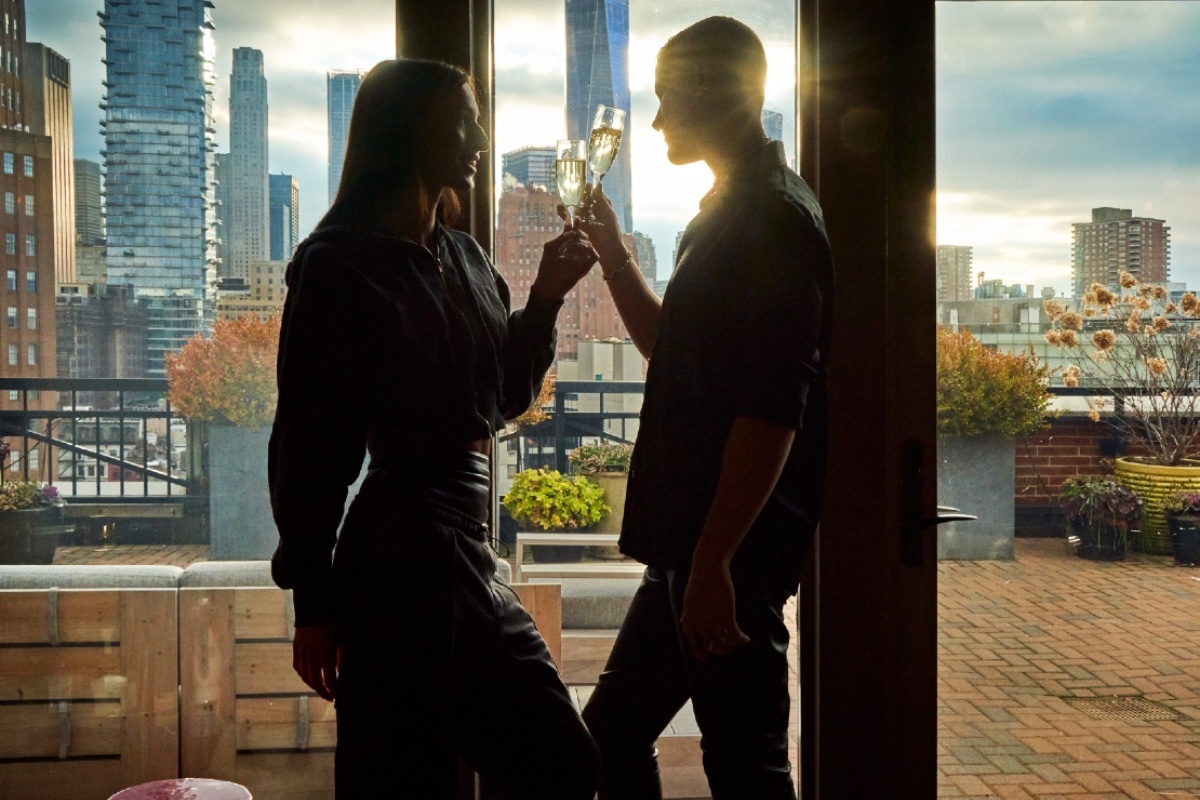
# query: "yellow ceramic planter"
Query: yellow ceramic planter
{"points": [[1154, 483]]}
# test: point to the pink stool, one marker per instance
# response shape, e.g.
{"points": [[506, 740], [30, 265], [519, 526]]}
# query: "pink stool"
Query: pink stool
{"points": [[184, 789]]}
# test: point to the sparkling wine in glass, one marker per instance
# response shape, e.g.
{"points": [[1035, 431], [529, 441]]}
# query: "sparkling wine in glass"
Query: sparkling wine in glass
{"points": [[571, 164], [608, 127]]}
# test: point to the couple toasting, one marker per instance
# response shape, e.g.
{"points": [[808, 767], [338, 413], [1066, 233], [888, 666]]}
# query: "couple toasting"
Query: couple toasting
{"points": [[398, 339]]}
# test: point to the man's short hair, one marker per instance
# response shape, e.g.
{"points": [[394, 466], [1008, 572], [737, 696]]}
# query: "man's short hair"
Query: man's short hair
{"points": [[730, 52]]}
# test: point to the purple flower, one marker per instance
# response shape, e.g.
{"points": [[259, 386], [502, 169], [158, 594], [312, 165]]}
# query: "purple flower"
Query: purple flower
{"points": [[50, 492]]}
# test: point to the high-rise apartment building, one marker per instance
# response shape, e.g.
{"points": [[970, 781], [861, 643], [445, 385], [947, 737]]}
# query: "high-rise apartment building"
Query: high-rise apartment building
{"points": [[954, 273], [89, 223], [647, 257], [772, 122], [159, 149], [48, 112], [1117, 241], [249, 231], [224, 197], [27, 224], [284, 208], [527, 219], [531, 166], [342, 87], [598, 73]]}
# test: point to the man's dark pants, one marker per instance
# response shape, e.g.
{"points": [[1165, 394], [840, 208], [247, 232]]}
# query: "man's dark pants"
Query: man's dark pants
{"points": [[740, 700]]}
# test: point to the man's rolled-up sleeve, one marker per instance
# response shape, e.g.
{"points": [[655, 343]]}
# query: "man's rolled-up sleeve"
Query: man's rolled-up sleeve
{"points": [[778, 321]]}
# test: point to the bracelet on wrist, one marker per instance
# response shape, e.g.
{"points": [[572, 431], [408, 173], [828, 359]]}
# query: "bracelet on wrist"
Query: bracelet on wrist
{"points": [[608, 276]]}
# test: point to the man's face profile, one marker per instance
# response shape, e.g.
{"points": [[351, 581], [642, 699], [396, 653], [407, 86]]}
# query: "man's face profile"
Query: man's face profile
{"points": [[680, 117]]}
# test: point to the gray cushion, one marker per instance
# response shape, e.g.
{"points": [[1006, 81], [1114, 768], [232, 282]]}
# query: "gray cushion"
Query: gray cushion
{"points": [[227, 573], [595, 603], [89, 577]]}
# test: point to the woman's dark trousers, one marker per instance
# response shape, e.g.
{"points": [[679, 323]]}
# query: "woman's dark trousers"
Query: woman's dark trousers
{"points": [[440, 661]]}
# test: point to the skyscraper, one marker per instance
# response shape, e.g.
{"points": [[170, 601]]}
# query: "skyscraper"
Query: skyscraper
{"points": [[48, 112], [285, 216], [89, 223], [530, 165], [27, 224], [772, 122], [954, 273], [598, 73], [1117, 241], [647, 257], [159, 148], [249, 232], [342, 87], [224, 197]]}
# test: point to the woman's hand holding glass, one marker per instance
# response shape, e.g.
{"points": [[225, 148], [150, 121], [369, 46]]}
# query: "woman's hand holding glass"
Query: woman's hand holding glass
{"points": [[601, 227], [565, 260]]}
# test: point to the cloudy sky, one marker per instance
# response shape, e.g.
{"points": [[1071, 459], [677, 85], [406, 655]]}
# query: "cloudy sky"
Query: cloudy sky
{"points": [[1045, 109]]}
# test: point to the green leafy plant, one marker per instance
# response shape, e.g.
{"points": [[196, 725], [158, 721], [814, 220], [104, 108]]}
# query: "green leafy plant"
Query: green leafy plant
{"points": [[982, 391], [1101, 501], [605, 456], [21, 495], [551, 500], [1144, 349]]}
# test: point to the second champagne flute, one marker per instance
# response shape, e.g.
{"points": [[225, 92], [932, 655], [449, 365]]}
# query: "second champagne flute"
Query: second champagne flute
{"points": [[571, 168]]}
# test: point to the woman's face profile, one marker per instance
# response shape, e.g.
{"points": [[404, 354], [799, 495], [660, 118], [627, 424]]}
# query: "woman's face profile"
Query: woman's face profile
{"points": [[456, 141]]}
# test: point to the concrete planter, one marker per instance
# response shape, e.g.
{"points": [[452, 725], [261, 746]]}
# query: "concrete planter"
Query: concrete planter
{"points": [[29, 535], [978, 475], [241, 527]]}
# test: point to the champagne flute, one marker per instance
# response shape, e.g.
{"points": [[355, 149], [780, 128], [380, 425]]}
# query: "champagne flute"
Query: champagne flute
{"points": [[571, 169], [608, 127]]}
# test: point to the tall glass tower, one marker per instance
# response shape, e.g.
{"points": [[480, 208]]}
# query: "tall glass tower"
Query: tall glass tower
{"points": [[159, 147], [598, 72], [343, 88]]}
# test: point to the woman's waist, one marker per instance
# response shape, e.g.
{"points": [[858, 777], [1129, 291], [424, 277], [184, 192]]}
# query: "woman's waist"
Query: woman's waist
{"points": [[457, 480]]}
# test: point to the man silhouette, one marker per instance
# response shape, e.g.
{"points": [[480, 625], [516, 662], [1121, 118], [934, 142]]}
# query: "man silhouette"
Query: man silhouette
{"points": [[726, 477]]}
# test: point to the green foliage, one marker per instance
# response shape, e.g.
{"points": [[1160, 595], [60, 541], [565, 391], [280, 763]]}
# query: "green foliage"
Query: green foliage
{"points": [[551, 500], [1101, 501], [981, 391], [605, 456]]}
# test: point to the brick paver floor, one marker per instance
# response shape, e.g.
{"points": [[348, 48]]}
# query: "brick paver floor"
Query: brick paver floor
{"points": [[1016, 639]]}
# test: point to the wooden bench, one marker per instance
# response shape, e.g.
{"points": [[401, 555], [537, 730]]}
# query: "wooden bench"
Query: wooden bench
{"points": [[523, 571]]}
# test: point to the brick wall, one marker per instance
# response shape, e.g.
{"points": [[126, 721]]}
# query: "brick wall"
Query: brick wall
{"points": [[1070, 446]]}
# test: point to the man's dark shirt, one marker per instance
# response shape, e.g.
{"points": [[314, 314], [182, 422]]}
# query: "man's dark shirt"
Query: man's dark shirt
{"points": [[387, 348], [744, 331]]}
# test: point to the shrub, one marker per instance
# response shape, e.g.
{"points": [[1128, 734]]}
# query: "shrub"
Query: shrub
{"points": [[981, 391], [589, 459], [230, 376]]}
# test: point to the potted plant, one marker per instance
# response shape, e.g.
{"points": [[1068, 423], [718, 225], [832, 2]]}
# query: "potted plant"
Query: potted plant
{"points": [[985, 398], [226, 383], [1182, 511], [1101, 514], [552, 501], [1144, 351], [607, 464], [29, 513]]}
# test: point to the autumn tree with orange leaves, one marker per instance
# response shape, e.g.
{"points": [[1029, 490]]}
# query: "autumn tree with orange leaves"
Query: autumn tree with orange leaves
{"points": [[230, 376]]}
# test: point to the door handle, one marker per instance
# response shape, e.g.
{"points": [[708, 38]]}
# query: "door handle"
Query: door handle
{"points": [[915, 521]]}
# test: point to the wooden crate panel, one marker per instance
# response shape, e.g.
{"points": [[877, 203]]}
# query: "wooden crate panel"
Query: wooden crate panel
{"points": [[260, 613], [272, 723], [34, 731], [60, 780], [83, 616], [150, 696], [543, 601], [207, 701], [60, 673], [266, 668], [287, 776]]}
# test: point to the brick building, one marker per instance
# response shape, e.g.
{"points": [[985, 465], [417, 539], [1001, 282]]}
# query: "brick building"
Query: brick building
{"points": [[528, 220], [1116, 241]]}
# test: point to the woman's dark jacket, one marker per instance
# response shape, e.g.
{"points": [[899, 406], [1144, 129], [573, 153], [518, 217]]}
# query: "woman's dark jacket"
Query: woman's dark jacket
{"points": [[388, 348]]}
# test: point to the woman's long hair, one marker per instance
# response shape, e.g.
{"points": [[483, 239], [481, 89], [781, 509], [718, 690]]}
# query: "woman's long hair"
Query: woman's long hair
{"points": [[389, 132]]}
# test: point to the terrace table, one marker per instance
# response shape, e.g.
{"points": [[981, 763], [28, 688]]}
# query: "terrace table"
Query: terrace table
{"points": [[185, 789]]}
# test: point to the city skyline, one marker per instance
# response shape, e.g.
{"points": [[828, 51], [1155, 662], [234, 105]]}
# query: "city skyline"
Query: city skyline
{"points": [[1046, 110]]}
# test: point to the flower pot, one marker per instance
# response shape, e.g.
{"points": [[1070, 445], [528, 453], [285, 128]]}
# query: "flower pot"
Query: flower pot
{"points": [[29, 536], [614, 485], [978, 475], [1098, 541], [1185, 537], [241, 527], [1154, 483], [559, 554]]}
